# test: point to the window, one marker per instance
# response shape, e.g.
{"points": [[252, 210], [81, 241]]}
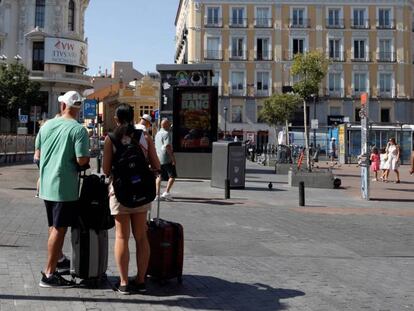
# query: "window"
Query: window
{"points": [[335, 49], [360, 83], [213, 16], [262, 49], [335, 84], [38, 56], [216, 80], [213, 48], [384, 19], [236, 114], [298, 18], [298, 46], [70, 68], [40, 13], [334, 20], [237, 82], [263, 17], [385, 50], [359, 20], [237, 17], [71, 16], [385, 115], [359, 50], [145, 110], [237, 48], [385, 84], [262, 83]]}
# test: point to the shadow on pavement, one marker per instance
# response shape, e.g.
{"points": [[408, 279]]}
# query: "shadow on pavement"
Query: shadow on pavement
{"points": [[216, 201], [259, 171], [391, 200], [262, 189], [196, 292]]}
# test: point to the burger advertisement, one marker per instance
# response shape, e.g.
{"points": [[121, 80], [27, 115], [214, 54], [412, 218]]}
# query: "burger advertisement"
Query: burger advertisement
{"points": [[195, 119]]}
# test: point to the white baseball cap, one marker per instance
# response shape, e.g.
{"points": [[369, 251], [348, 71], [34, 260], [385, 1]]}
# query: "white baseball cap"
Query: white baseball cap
{"points": [[71, 99], [147, 117]]}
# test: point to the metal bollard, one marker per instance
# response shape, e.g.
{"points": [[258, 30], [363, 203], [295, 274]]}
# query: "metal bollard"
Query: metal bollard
{"points": [[301, 193], [227, 189], [98, 163]]}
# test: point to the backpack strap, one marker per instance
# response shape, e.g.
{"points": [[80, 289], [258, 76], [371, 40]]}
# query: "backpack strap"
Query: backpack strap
{"points": [[136, 136], [118, 145]]}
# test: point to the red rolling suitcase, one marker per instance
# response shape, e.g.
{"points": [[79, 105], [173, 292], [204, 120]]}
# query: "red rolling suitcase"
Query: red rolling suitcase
{"points": [[166, 241]]}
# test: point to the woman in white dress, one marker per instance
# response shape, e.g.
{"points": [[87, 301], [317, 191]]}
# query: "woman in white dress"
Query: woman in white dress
{"points": [[393, 152]]}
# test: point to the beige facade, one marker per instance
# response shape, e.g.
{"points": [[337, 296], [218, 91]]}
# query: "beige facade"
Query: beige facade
{"points": [[252, 43]]}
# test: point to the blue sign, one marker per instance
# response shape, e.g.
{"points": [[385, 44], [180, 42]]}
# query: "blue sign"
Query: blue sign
{"points": [[156, 114], [23, 118], [89, 109]]}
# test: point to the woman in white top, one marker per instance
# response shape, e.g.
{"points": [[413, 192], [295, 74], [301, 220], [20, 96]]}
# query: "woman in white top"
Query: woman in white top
{"points": [[393, 152]]}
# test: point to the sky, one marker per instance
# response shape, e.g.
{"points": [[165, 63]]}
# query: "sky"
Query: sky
{"points": [[141, 31]]}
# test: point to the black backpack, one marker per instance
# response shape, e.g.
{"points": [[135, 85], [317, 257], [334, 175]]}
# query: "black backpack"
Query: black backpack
{"points": [[133, 181], [94, 204]]}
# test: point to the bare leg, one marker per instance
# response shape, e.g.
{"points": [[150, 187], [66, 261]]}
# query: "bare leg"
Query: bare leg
{"points": [[139, 230], [398, 175], [54, 248], [170, 184], [121, 250], [60, 251], [158, 185]]}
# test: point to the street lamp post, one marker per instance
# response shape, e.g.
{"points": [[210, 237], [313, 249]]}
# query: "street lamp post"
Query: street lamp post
{"points": [[314, 117], [225, 122]]}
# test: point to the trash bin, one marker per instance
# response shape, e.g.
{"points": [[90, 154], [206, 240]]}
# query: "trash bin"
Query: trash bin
{"points": [[228, 162]]}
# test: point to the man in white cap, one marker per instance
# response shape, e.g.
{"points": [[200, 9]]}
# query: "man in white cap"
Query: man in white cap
{"points": [[63, 146], [144, 123]]}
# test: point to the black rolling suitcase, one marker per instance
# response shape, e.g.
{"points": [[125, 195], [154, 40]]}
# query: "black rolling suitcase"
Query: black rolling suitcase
{"points": [[166, 241]]}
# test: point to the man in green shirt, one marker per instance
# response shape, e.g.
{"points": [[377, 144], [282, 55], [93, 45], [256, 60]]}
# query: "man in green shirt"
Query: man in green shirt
{"points": [[63, 145]]}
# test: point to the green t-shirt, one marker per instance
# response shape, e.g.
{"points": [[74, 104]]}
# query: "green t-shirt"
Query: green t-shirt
{"points": [[162, 139], [61, 141]]}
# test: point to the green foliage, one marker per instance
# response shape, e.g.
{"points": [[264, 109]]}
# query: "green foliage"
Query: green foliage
{"points": [[279, 108], [311, 68], [16, 90]]}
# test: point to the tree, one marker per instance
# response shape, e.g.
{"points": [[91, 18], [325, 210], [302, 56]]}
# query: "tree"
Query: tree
{"points": [[16, 91], [278, 109], [311, 68]]}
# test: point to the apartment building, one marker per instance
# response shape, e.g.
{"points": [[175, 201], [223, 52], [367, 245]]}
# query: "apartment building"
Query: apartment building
{"points": [[47, 36], [252, 45]]}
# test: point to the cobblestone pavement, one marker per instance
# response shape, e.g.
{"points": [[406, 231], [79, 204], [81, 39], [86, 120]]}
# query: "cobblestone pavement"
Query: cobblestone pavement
{"points": [[256, 251]]}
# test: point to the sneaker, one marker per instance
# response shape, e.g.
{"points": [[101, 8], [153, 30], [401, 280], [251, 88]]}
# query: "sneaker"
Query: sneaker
{"points": [[63, 266], [139, 288], [122, 289], [166, 196], [55, 281]]}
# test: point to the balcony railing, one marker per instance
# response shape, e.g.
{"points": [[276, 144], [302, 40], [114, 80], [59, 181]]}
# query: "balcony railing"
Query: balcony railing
{"points": [[386, 57], [299, 23], [68, 77], [238, 55], [385, 24], [357, 58], [213, 22], [213, 54], [335, 23], [263, 22], [289, 55], [360, 24], [335, 92], [237, 90], [336, 56], [386, 93], [262, 92], [263, 55], [238, 22], [358, 92]]}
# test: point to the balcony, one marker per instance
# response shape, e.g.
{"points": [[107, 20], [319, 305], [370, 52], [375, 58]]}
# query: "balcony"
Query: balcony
{"points": [[213, 22], [238, 23], [299, 23], [386, 57], [335, 92], [360, 24], [385, 24], [264, 92], [263, 22], [237, 90], [336, 56], [61, 77], [213, 54], [384, 92], [335, 23], [238, 55], [263, 55], [359, 92], [290, 55]]}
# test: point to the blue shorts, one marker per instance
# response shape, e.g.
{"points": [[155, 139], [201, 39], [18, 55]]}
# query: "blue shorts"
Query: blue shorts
{"points": [[62, 214]]}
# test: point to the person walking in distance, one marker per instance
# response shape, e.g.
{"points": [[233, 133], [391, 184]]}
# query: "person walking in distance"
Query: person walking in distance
{"points": [[393, 152], [163, 145], [375, 162], [129, 218], [63, 145]]}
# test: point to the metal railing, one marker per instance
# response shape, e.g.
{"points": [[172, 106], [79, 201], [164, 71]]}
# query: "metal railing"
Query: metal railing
{"points": [[386, 57], [336, 56], [16, 144], [263, 22], [335, 23], [213, 22], [360, 23], [238, 22], [263, 55], [385, 24], [290, 55], [365, 58], [213, 54], [299, 22], [335, 92], [238, 55]]}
